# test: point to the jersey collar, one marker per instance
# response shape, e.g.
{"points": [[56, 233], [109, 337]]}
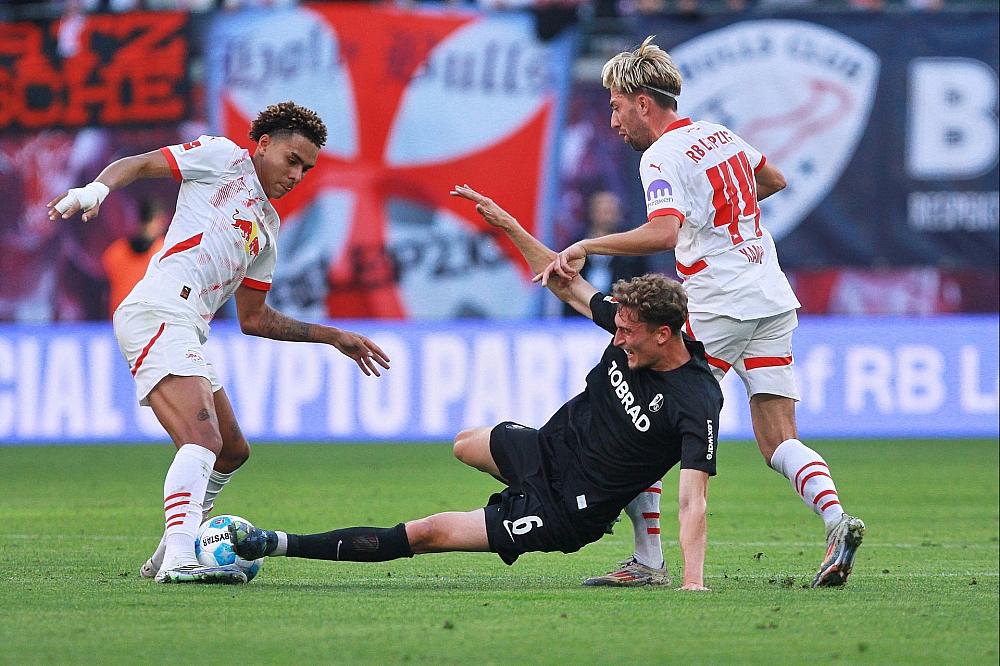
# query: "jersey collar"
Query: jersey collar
{"points": [[677, 124]]}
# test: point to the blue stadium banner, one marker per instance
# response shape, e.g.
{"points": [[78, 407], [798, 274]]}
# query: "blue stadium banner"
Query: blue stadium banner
{"points": [[859, 378], [885, 125]]}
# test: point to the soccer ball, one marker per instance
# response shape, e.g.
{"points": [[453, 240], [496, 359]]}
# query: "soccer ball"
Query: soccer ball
{"points": [[214, 548]]}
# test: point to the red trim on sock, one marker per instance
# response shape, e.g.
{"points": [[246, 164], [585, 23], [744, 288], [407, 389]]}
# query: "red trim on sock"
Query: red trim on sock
{"points": [[176, 515], [829, 504], [802, 469], [651, 514], [170, 497], [652, 490], [174, 524], [176, 504], [823, 494], [810, 475], [652, 530]]}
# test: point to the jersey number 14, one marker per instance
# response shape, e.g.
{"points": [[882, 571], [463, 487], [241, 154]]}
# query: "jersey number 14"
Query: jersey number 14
{"points": [[734, 197]]}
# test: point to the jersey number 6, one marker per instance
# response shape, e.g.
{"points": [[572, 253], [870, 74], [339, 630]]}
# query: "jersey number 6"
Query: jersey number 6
{"points": [[522, 525]]}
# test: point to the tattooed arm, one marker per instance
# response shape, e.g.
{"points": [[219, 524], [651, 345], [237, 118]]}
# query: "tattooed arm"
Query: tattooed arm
{"points": [[260, 319]]}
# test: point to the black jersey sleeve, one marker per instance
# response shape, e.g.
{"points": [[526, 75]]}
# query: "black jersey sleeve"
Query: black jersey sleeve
{"points": [[602, 310], [699, 443]]}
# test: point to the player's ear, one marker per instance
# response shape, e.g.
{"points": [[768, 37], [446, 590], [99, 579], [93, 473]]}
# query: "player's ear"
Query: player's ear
{"points": [[263, 142]]}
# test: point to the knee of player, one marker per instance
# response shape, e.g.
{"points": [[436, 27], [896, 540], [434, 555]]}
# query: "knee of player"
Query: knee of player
{"points": [[233, 456], [420, 533], [462, 445]]}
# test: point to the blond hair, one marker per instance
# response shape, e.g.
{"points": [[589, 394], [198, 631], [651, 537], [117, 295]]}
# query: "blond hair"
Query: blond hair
{"points": [[656, 300], [649, 68]]}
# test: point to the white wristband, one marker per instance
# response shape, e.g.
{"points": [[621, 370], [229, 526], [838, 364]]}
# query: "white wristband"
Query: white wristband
{"points": [[87, 197]]}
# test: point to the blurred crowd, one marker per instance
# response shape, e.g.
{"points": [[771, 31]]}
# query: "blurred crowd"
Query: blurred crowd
{"points": [[13, 9]]}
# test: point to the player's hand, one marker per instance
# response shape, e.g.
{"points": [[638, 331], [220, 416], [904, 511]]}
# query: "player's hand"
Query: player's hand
{"points": [[365, 353], [693, 587], [486, 207], [567, 264], [87, 199]]}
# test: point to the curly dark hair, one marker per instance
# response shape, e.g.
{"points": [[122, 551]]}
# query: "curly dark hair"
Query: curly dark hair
{"points": [[656, 299], [287, 118]]}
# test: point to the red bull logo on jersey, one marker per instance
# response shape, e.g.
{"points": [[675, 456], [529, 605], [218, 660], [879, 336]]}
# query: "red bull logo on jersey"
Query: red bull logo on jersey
{"points": [[800, 93], [248, 229]]}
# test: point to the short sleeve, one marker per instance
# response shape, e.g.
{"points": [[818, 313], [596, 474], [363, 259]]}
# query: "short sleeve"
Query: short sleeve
{"points": [[754, 156], [602, 310], [260, 272], [699, 442], [204, 159], [663, 185]]}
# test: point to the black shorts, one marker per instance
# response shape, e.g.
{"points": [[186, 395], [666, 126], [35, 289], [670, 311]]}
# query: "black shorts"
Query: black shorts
{"points": [[528, 515]]}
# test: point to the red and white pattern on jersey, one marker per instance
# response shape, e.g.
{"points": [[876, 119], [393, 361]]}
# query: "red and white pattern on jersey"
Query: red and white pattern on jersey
{"points": [[223, 233], [703, 173]]}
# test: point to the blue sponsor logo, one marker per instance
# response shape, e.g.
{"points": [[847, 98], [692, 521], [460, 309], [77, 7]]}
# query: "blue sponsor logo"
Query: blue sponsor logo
{"points": [[658, 189]]}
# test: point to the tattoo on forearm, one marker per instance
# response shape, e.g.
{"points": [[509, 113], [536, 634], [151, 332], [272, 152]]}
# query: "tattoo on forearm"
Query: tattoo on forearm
{"points": [[204, 414], [277, 326]]}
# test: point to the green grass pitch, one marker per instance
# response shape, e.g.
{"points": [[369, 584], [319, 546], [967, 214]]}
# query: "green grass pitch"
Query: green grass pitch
{"points": [[76, 523]]}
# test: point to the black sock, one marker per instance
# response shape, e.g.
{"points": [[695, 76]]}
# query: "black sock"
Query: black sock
{"points": [[353, 544]]}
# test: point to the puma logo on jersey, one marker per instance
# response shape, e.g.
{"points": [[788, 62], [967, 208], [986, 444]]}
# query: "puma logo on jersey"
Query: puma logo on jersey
{"points": [[248, 229], [656, 166]]}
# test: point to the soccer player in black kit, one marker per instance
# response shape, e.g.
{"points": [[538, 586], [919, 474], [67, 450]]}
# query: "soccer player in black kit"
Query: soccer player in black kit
{"points": [[650, 403]]}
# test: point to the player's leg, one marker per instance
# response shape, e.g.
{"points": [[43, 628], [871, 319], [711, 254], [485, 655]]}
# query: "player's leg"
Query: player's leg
{"points": [[235, 451], [173, 377], [185, 408], [766, 368], [472, 447], [442, 532]]}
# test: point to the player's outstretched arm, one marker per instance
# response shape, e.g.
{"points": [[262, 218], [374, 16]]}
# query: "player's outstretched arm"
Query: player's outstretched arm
{"points": [[577, 293], [115, 176], [693, 502], [769, 180], [657, 235], [260, 319]]}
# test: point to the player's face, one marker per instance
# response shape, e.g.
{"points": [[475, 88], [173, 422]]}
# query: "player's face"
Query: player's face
{"points": [[281, 162], [627, 120], [637, 339]]}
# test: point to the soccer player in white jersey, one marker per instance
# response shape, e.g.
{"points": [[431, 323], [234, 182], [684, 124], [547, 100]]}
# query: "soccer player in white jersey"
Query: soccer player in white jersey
{"points": [[221, 242], [702, 183]]}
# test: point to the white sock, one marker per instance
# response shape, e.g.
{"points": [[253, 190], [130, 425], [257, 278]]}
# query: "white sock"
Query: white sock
{"points": [[644, 512], [183, 491], [282, 548], [810, 476], [215, 483]]}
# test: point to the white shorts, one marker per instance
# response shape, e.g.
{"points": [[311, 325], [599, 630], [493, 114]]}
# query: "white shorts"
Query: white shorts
{"points": [[759, 350], [157, 344]]}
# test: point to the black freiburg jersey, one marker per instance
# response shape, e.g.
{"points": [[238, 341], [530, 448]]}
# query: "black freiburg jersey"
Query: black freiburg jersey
{"points": [[628, 428]]}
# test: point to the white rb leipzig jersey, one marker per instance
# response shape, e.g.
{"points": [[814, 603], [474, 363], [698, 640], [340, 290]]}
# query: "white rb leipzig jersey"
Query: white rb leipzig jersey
{"points": [[704, 174], [222, 235]]}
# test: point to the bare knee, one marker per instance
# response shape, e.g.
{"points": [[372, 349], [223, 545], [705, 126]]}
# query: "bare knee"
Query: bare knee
{"points": [[232, 456], [423, 535], [465, 446]]}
